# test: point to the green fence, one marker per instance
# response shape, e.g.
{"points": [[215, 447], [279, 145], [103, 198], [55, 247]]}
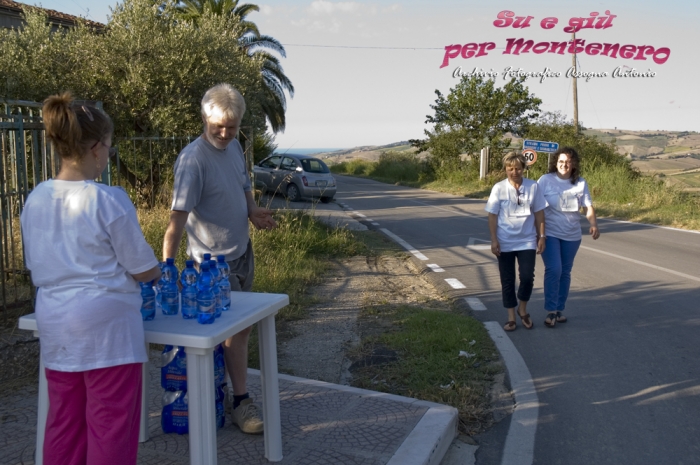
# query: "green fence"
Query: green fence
{"points": [[26, 160]]}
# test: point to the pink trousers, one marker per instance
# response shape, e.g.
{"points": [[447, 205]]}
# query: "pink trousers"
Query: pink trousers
{"points": [[94, 416]]}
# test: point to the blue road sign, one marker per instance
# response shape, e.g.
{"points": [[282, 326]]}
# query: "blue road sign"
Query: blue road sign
{"points": [[540, 146]]}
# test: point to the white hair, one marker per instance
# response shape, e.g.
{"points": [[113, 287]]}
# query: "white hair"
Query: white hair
{"points": [[223, 100]]}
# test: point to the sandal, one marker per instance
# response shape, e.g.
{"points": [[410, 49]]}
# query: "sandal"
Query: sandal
{"points": [[527, 322], [551, 320], [561, 318], [510, 326]]}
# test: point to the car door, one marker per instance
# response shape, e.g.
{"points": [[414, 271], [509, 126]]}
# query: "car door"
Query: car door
{"points": [[283, 176], [264, 173]]}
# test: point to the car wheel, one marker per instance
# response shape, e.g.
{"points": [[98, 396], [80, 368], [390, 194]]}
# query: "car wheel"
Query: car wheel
{"points": [[326, 199], [293, 193]]}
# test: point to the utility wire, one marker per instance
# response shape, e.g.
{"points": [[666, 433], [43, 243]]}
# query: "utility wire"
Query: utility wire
{"points": [[353, 46]]}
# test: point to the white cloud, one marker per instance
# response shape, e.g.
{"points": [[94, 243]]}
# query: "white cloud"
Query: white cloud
{"points": [[265, 9], [324, 7], [342, 17]]}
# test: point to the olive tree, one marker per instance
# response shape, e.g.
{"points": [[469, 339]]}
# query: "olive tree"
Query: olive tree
{"points": [[475, 114], [148, 67]]}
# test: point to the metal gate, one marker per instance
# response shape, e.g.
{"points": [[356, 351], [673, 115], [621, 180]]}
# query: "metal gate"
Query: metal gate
{"points": [[26, 160]]}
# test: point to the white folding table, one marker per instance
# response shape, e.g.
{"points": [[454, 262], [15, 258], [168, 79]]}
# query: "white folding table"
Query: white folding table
{"points": [[199, 341]]}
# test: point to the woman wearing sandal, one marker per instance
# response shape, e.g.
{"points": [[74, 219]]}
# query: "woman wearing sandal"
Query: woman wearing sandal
{"points": [[566, 192], [516, 222]]}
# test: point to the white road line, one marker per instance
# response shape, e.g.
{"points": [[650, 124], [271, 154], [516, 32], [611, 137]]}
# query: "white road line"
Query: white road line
{"points": [[404, 244], [651, 225], [450, 211], [435, 268], [455, 283], [375, 224], [677, 273], [475, 303], [474, 246], [520, 442], [359, 214]]}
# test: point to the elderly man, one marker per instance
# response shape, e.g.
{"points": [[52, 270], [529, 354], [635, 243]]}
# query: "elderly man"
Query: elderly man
{"points": [[212, 200]]}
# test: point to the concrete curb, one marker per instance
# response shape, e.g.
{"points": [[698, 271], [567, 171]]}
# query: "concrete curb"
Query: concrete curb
{"points": [[429, 441]]}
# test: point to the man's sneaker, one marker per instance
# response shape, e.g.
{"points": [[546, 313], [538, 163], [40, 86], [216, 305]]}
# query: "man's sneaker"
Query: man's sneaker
{"points": [[247, 417]]}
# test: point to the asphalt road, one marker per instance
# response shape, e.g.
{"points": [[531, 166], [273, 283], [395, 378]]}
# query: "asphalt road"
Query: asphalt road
{"points": [[620, 382]]}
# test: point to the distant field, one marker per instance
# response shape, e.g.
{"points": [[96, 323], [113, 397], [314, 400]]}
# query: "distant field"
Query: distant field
{"points": [[689, 179], [666, 166]]}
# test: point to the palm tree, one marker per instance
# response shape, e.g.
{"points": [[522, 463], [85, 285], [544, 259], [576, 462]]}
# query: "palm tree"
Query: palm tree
{"points": [[272, 101]]}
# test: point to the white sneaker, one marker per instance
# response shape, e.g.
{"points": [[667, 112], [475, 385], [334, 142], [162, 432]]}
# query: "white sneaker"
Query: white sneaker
{"points": [[248, 418]]}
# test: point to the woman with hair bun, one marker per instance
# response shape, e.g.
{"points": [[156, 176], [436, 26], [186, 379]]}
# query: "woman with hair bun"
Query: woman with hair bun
{"points": [[516, 222], [85, 250], [566, 192]]}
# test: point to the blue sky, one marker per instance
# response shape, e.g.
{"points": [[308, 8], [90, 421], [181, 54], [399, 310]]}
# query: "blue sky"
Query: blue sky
{"points": [[348, 96]]}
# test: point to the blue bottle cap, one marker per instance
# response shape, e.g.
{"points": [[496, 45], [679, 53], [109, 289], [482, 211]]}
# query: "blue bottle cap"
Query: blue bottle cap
{"points": [[205, 266], [221, 258], [189, 263], [169, 261]]}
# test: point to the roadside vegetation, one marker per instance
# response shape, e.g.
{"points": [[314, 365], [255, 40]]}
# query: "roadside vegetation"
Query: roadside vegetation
{"points": [[429, 354]]}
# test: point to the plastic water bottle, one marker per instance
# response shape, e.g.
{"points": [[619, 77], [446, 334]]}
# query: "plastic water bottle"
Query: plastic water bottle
{"points": [[219, 366], [159, 287], [215, 287], [173, 374], [206, 301], [188, 279], [206, 257], [175, 417], [224, 284], [148, 304], [219, 396], [169, 300]]}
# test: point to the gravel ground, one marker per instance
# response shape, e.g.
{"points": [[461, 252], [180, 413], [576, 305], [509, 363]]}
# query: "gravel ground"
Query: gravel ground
{"points": [[319, 343]]}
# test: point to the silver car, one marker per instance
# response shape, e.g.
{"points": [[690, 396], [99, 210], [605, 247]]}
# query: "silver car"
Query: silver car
{"points": [[296, 176]]}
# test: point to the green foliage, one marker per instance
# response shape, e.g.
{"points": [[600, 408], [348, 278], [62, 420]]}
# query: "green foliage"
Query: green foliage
{"points": [[358, 167], [592, 151], [400, 167], [149, 70], [476, 114], [295, 254], [263, 146], [427, 343], [393, 166], [620, 192]]}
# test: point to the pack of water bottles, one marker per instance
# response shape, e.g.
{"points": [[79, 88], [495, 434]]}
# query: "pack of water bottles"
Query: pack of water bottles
{"points": [[173, 378], [203, 295]]}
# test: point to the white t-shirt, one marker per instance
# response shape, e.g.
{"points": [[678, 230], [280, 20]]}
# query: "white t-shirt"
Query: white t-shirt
{"points": [[564, 200], [82, 243], [515, 210], [210, 184]]}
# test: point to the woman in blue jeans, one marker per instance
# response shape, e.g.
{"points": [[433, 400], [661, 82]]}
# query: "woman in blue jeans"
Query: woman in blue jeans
{"points": [[566, 192]]}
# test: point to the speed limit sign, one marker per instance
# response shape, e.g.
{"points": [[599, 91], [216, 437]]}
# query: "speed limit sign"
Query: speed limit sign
{"points": [[530, 156]]}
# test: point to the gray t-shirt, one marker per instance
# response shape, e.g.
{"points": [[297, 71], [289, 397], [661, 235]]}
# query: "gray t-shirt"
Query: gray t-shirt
{"points": [[211, 184]]}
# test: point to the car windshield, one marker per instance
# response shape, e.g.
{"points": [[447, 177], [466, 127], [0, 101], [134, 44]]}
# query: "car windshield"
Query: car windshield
{"points": [[314, 165]]}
